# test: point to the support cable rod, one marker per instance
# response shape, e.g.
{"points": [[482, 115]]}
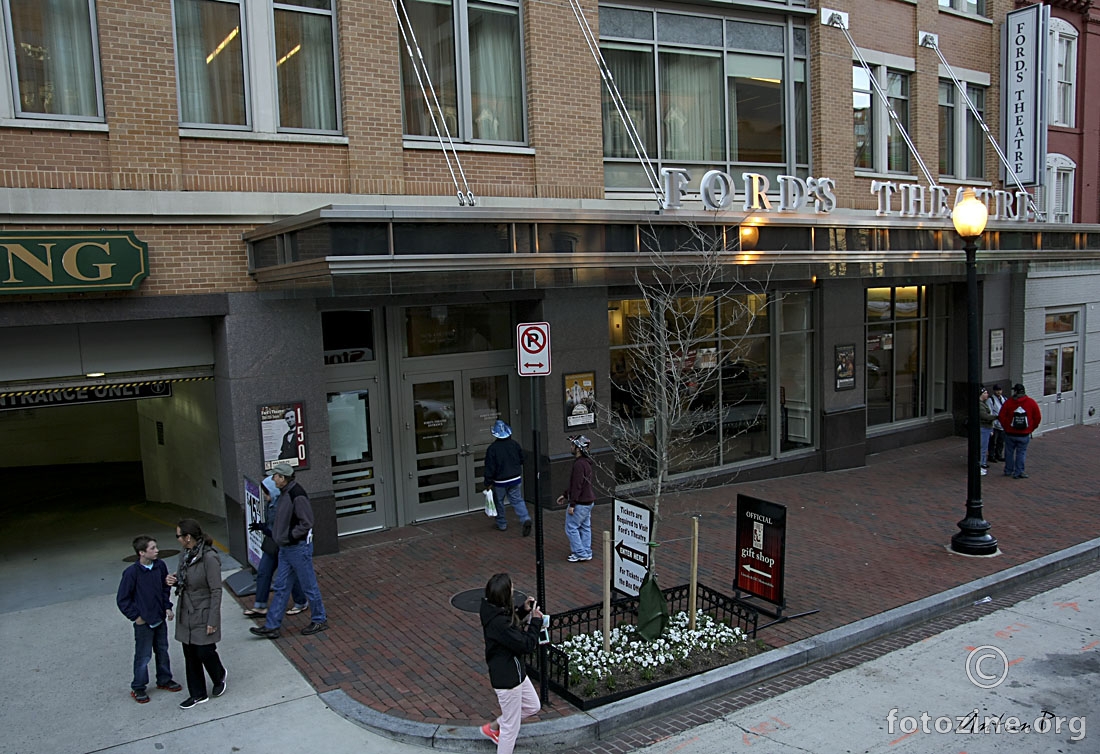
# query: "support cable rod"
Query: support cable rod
{"points": [[838, 21], [620, 104], [435, 109], [929, 41]]}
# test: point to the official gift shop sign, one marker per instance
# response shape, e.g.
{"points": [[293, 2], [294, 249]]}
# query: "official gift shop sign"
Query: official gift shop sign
{"points": [[761, 548], [71, 262]]}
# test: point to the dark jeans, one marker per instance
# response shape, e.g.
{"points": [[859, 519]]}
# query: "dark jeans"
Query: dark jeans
{"points": [[199, 657], [265, 573], [149, 641], [997, 445]]}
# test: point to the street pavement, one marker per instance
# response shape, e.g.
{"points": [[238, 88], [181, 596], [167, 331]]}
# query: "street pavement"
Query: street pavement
{"points": [[1025, 678], [866, 547]]}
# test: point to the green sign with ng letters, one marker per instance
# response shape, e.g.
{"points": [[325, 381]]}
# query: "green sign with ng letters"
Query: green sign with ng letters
{"points": [[71, 261]]}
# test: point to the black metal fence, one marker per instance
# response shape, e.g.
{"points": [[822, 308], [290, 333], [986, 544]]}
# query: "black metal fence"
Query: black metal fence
{"points": [[587, 620]]}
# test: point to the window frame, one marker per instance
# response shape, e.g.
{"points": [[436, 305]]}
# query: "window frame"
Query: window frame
{"points": [[460, 20], [10, 107], [257, 19], [962, 123], [1062, 33], [882, 65], [796, 109], [961, 6], [1060, 169]]}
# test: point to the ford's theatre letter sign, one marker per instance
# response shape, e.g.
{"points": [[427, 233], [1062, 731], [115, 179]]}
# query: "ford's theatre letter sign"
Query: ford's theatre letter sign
{"points": [[67, 262]]}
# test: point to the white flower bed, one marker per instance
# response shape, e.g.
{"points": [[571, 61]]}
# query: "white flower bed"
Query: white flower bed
{"points": [[590, 667]]}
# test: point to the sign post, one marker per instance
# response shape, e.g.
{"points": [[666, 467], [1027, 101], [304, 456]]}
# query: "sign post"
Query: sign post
{"points": [[630, 553], [533, 360]]}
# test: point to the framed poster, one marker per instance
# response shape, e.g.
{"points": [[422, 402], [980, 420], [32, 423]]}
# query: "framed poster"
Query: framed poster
{"points": [[580, 400], [996, 348], [283, 433], [846, 366]]}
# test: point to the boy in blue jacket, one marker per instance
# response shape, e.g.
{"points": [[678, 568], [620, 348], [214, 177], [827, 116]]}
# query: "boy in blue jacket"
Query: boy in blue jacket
{"points": [[143, 597]]}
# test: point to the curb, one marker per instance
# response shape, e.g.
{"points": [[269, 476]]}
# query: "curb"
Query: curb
{"points": [[602, 722]]}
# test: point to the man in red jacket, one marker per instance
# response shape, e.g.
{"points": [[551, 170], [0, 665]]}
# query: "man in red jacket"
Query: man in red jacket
{"points": [[1019, 417]]}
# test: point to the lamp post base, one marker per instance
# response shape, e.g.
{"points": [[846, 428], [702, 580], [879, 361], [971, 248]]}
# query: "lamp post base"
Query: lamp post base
{"points": [[973, 537]]}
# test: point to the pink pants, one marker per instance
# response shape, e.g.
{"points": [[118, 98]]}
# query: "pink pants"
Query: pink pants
{"points": [[515, 704]]}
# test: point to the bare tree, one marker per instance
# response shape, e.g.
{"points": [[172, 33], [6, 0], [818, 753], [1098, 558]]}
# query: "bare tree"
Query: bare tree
{"points": [[673, 391]]}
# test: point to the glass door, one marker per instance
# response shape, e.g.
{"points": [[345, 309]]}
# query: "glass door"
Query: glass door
{"points": [[1059, 385], [355, 434], [449, 416]]}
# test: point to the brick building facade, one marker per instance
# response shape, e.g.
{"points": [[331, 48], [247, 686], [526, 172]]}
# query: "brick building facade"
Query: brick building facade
{"points": [[305, 249]]}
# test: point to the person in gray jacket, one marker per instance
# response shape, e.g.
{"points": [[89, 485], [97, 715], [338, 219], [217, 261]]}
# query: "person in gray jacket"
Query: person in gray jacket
{"points": [[293, 532], [198, 583]]}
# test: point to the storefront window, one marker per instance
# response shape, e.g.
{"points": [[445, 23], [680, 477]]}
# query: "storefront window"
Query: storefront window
{"points": [[727, 375], [448, 329], [901, 363]]}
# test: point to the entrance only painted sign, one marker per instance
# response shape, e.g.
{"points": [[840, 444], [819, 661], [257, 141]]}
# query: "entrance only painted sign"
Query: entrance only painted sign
{"points": [[761, 548], [630, 546], [533, 349]]}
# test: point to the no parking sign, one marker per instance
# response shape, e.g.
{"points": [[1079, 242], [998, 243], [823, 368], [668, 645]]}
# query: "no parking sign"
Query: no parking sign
{"points": [[533, 349]]}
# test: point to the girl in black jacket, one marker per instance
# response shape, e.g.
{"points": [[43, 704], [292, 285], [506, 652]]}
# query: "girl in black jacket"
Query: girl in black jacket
{"points": [[510, 633]]}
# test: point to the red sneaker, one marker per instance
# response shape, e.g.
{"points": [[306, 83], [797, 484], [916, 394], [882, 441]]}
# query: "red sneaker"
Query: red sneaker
{"points": [[140, 696], [488, 732]]}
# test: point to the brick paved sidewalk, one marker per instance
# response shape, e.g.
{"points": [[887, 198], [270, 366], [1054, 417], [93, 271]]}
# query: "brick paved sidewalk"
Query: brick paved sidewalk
{"points": [[859, 542]]}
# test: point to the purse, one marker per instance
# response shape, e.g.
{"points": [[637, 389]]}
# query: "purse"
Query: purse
{"points": [[269, 546]]}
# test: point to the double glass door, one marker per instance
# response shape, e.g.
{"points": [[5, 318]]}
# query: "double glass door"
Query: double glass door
{"points": [[1059, 384], [448, 418]]}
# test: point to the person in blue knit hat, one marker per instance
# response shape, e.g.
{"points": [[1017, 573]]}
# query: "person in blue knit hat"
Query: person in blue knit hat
{"points": [[504, 475]]}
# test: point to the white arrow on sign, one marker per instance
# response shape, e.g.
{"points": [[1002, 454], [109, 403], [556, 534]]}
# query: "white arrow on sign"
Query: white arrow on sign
{"points": [[750, 569]]}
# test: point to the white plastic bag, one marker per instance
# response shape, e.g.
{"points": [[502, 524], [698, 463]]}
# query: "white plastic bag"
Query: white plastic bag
{"points": [[490, 504]]}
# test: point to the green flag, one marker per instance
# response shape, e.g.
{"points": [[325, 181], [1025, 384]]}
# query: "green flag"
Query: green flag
{"points": [[652, 609]]}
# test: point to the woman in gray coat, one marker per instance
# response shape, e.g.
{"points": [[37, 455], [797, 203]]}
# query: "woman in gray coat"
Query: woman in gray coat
{"points": [[198, 582]]}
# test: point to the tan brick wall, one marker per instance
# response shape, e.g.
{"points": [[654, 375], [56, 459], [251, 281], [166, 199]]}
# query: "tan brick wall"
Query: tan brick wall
{"points": [[892, 26], [143, 149], [183, 259]]}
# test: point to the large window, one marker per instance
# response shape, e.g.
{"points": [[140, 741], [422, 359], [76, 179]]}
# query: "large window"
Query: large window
{"points": [[54, 59], [727, 373], [474, 56], [906, 353], [219, 62], [962, 139], [1063, 73], [704, 91], [880, 146]]}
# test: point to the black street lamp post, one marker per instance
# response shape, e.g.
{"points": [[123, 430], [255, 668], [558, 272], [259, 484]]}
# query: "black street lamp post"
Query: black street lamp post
{"points": [[973, 537]]}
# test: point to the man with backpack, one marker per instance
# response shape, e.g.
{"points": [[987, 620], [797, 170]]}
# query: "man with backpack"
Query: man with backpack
{"points": [[1020, 416]]}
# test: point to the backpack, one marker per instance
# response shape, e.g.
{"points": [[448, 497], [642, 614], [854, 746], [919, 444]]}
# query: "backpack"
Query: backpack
{"points": [[1019, 418]]}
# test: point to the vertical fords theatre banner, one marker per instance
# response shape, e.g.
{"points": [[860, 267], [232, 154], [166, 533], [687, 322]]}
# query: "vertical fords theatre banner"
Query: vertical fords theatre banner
{"points": [[761, 547], [67, 262], [1023, 132]]}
